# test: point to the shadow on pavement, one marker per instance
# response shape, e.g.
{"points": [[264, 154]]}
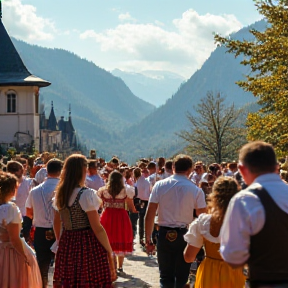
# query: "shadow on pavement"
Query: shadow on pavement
{"points": [[131, 282]]}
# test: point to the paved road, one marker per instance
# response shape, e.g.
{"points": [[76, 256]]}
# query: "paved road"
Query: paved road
{"points": [[140, 271]]}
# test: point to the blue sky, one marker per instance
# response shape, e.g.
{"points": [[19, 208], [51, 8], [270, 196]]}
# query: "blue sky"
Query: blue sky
{"points": [[132, 35]]}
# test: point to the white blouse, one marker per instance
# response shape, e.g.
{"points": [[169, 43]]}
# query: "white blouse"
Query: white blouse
{"points": [[200, 229], [88, 201], [10, 213], [128, 191]]}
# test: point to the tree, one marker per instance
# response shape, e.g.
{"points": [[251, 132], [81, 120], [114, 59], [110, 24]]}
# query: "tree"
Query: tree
{"points": [[217, 132], [267, 56]]}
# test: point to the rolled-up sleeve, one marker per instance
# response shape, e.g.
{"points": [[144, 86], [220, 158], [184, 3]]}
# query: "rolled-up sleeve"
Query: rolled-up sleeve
{"points": [[244, 217]]}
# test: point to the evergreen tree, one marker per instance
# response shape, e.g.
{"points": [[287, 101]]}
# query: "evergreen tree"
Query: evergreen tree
{"points": [[267, 56]]}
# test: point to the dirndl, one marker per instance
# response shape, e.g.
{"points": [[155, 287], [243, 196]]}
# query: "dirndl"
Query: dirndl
{"points": [[15, 273], [118, 227], [81, 261]]}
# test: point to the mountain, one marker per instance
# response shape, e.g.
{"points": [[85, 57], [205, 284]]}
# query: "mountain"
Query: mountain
{"points": [[154, 87], [218, 74], [102, 104]]}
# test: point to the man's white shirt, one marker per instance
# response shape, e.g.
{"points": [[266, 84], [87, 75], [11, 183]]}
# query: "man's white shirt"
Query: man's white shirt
{"points": [[176, 197], [42, 217], [245, 217]]}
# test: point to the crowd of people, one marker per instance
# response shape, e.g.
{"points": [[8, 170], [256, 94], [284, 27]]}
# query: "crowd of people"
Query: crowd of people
{"points": [[82, 215]]}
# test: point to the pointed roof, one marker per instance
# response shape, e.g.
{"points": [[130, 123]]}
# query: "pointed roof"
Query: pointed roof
{"points": [[12, 69], [52, 122]]}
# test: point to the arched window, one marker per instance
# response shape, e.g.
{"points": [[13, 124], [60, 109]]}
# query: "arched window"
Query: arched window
{"points": [[11, 102]]}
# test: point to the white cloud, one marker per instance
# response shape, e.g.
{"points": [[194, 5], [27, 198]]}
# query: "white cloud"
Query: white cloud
{"points": [[126, 17], [22, 22], [182, 49]]}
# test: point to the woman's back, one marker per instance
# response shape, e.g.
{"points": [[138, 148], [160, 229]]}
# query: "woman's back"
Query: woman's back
{"points": [[213, 272]]}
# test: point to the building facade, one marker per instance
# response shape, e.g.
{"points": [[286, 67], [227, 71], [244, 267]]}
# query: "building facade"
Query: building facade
{"points": [[19, 97]]}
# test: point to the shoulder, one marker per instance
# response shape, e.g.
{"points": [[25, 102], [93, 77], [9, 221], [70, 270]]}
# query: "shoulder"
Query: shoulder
{"points": [[88, 191], [101, 190]]}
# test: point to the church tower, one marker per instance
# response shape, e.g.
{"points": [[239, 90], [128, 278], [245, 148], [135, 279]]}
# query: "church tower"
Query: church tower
{"points": [[19, 97]]}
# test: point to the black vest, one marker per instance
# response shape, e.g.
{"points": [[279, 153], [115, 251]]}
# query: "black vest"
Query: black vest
{"points": [[268, 262]]}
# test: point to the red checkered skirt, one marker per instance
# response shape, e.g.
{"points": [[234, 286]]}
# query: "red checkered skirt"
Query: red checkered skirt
{"points": [[118, 227], [81, 261]]}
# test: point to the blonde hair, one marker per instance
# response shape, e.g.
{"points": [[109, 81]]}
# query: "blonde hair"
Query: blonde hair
{"points": [[223, 190]]}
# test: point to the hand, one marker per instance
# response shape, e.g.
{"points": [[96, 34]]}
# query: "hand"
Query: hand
{"points": [[111, 260], [150, 247]]}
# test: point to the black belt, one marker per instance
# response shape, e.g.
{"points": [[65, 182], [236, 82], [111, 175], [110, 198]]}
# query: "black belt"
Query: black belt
{"points": [[43, 228], [174, 228]]}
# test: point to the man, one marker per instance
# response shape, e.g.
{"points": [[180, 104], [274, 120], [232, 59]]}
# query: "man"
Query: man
{"points": [[152, 168], [143, 189], [93, 180], [16, 168], [167, 169], [198, 172], [39, 208], [175, 198], [255, 228]]}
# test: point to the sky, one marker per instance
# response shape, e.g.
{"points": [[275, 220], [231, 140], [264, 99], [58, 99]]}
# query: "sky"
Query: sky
{"points": [[131, 35]]}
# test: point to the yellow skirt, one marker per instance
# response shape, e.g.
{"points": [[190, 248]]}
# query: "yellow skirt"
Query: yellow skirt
{"points": [[214, 273]]}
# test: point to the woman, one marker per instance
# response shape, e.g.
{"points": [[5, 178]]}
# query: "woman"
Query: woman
{"points": [[115, 219], [18, 264], [84, 257], [213, 272]]}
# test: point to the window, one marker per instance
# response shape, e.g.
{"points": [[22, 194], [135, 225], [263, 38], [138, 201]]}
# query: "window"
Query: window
{"points": [[11, 103]]}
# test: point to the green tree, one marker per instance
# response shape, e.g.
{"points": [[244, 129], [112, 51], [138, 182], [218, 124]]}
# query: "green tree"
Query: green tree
{"points": [[217, 132], [267, 55]]}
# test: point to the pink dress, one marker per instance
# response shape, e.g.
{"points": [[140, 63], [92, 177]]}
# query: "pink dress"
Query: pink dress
{"points": [[15, 273]]}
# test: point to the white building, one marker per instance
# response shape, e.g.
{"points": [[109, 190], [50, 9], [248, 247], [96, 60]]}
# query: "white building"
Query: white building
{"points": [[19, 97]]}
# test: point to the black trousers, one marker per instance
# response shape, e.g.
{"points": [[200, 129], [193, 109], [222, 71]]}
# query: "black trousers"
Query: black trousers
{"points": [[142, 212], [174, 271], [134, 218], [43, 252]]}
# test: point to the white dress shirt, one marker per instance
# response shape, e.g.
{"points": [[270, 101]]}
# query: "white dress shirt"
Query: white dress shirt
{"points": [[94, 181], [143, 187], [245, 217], [177, 197], [22, 194], [43, 216], [41, 175]]}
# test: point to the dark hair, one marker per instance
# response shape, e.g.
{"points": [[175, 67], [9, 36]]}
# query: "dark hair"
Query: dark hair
{"points": [[70, 178], [115, 183], [151, 165], [8, 184], [168, 164], [258, 157], [137, 173], [14, 166], [161, 162], [182, 163], [54, 166], [92, 164]]}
